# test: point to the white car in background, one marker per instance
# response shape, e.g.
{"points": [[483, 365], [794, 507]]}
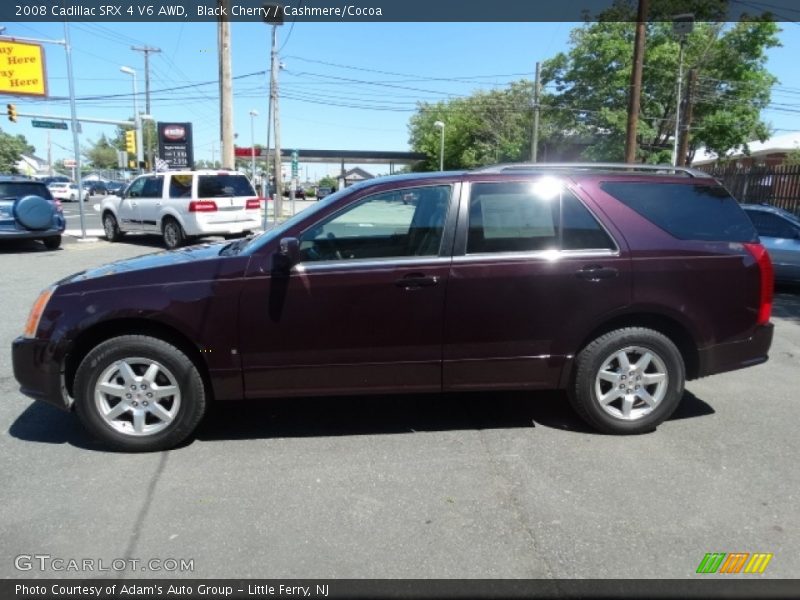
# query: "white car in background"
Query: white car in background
{"points": [[67, 192], [180, 205]]}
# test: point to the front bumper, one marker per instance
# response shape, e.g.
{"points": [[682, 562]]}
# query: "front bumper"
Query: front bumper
{"points": [[740, 354], [39, 373]]}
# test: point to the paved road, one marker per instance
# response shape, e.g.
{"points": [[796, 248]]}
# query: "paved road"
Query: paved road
{"points": [[486, 485]]}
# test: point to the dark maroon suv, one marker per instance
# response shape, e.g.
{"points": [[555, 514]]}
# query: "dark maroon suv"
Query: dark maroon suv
{"points": [[613, 282]]}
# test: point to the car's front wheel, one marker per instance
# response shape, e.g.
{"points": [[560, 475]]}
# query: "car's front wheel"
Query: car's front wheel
{"points": [[111, 227], [139, 394], [628, 381]]}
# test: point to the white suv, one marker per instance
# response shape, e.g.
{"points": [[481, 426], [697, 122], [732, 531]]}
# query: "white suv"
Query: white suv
{"points": [[179, 205]]}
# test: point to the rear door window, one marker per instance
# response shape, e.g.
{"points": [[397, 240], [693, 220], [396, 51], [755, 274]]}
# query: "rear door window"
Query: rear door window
{"points": [[686, 211], [522, 217]]}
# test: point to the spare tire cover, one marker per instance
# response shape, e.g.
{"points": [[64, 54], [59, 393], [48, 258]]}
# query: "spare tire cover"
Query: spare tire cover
{"points": [[34, 212]]}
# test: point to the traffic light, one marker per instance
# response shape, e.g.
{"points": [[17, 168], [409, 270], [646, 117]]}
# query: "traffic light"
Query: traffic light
{"points": [[130, 141], [12, 112]]}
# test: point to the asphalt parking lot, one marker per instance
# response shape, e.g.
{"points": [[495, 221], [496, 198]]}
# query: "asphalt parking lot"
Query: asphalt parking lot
{"points": [[465, 486]]}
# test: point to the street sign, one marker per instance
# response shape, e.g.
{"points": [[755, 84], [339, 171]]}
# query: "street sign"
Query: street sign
{"points": [[295, 155], [70, 163], [50, 124]]}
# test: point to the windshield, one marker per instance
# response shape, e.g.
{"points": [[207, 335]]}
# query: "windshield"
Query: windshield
{"points": [[267, 236]]}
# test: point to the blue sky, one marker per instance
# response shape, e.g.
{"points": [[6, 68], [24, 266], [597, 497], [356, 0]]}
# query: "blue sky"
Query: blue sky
{"points": [[325, 66]]}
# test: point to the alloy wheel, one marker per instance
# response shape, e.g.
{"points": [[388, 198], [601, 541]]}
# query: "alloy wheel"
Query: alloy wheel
{"points": [[137, 396], [631, 383]]}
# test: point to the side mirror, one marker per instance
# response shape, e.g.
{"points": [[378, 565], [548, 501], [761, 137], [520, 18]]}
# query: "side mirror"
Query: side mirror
{"points": [[287, 256]]}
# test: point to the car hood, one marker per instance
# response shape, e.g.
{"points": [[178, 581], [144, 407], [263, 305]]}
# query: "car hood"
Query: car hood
{"points": [[149, 262]]}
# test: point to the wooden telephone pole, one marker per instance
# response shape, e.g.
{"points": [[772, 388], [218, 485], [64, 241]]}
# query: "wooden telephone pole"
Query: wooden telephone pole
{"points": [[683, 144], [225, 88], [148, 142], [635, 92]]}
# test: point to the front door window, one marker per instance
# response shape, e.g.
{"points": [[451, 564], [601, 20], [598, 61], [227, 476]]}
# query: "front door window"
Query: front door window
{"points": [[395, 224]]}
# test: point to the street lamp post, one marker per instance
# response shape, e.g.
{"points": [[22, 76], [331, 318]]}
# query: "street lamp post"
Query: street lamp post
{"points": [[253, 115], [440, 125], [136, 119]]}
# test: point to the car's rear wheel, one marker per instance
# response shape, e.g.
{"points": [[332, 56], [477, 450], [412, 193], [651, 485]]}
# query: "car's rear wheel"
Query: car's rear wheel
{"points": [[111, 227], [173, 234], [628, 381], [52, 243], [139, 394]]}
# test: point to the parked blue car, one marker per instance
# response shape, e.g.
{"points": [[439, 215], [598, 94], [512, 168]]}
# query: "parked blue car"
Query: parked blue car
{"points": [[28, 211], [779, 231]]}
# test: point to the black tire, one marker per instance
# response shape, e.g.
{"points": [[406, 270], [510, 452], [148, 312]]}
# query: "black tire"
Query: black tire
{"points": [[111, 227], [52, 243], [125, 348], [587, 379], [173, 234]]}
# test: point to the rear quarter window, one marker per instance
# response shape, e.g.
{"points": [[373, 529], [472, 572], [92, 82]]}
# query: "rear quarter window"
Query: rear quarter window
{"points": [[220, 186], [686, 211]]}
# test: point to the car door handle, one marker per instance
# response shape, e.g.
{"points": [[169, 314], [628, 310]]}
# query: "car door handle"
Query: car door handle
{"points": [[416, 280], [596, 272]]}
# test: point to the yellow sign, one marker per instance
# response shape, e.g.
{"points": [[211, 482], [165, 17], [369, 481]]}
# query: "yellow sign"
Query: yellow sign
{"points": [[22, 69]]}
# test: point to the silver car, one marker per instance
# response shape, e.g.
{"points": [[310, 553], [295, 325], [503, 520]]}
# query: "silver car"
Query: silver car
{"points": [[779, 231]]}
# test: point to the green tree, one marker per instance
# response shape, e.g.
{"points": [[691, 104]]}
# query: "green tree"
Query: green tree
{"points": [[589, 86], [11, 148], [101, 154], [484, 128], [327, 181]]}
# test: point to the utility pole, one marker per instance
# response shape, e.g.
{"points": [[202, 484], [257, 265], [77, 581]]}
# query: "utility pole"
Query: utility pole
{"points": [[225, 89], [49, 155], [635, 93], [278, 202], [683, 147], [678, 99], [535, 132], [148, 140], [268, 187]]}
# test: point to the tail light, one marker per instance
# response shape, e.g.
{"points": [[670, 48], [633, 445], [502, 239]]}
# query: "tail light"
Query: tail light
{"points": [[202, 206], [767, 281], [253, 203]]}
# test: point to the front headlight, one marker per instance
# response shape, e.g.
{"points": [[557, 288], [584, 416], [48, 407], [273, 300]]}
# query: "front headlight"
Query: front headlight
{"points": [[36, 312]]}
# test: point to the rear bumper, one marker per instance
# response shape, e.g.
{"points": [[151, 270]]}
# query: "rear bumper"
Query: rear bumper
{"points": [[736, 355], [39, 374], [27, 234], [198, 226]]}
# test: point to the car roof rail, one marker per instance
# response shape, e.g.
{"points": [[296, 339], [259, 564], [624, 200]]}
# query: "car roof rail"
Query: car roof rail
{"points": [[593, 166]]}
